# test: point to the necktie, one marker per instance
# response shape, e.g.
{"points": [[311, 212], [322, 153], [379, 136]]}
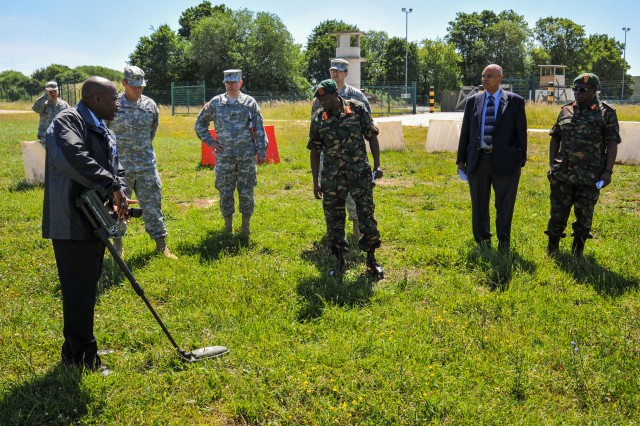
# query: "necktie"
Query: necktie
{"points": [[489, 121]]}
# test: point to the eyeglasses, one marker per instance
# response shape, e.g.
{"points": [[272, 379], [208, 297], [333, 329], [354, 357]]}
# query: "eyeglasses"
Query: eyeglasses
{"points": [[581, 89]]}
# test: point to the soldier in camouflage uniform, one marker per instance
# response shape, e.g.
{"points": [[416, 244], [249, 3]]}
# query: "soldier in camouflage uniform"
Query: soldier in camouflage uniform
{"points": [[48, 106], [240, 135], [135, 127], [339, 131], [339, 70], [582, 152]]}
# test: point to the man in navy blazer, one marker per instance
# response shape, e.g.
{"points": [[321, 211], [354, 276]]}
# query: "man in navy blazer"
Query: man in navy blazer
{"points": [[491, 151]]}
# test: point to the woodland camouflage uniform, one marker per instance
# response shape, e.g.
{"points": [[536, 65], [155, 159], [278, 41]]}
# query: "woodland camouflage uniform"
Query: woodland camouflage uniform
{"points": [[584, 134], [346, 170]]}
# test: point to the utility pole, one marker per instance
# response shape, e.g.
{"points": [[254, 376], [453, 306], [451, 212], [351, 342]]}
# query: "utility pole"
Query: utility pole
{"points": [[624, 60], [406, 49]]}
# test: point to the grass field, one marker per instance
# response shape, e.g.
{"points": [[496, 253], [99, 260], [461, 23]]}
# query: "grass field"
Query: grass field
{"points": [[452, 335]]}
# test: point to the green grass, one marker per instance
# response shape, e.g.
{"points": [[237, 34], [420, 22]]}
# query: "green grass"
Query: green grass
{"points": [[452, 335]]}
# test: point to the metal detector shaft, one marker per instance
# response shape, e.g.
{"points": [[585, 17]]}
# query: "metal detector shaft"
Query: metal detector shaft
{"points": [[104, 237]]}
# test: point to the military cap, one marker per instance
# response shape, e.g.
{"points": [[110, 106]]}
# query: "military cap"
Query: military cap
{"points": [[587, 79], [232, 75], [51, 85], [339, 65], [325, 87], [134, 77]]}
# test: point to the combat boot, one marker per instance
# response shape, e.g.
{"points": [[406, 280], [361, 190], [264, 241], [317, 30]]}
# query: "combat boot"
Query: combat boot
{"points": [[246, 230], [373, 267], [117, 244], [228, 224], [577, 247], [554, 245], [161, 248]]}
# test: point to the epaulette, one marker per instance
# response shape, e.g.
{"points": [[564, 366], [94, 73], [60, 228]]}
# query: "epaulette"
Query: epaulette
{"points": [[607, 105]]}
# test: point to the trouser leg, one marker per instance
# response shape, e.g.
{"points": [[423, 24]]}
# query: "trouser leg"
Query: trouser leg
{"points": [[79, 265], [480, 190]]}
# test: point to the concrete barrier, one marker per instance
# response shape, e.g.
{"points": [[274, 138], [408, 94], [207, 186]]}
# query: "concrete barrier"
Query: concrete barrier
{"points": [[629, 148], [390, 137], [33, 157], [443, 135]]}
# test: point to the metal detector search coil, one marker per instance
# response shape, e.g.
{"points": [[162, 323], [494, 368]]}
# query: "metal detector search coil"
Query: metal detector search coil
{"points": [[104, 226]]}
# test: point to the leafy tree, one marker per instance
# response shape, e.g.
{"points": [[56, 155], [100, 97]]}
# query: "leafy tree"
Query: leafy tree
{"points": [[162, 56], [108, 73], [438, 67], [563, 40], [272, 61], [15, 86], [486, 37], [468, 33], [258, 44], [49, 73], [373, 46], [506, 42], [217, 44], [74, 75], [191, 16], [321, 47], [603, 56], [394, 61]]}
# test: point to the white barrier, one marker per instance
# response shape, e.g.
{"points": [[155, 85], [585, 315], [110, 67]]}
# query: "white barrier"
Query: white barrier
{"points": [[33, 156], [629, 148], [390, 137], [443, 135]]}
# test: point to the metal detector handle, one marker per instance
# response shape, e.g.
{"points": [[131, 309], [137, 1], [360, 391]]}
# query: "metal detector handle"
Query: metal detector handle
{"points": [[103, 234]]}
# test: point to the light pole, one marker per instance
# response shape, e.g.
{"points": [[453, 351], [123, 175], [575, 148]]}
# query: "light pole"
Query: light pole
{"points": [[406, 48], [624, 59]]}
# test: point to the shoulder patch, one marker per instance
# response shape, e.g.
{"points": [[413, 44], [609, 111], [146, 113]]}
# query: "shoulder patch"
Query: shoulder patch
{"points": [[608, 105]]}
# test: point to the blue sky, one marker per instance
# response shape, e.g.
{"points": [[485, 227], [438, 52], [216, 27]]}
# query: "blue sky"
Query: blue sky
{"points": [[37, 33]]}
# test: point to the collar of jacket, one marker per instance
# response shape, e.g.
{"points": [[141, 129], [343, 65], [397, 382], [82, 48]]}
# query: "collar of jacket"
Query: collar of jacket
{"points": [[83, 109]]}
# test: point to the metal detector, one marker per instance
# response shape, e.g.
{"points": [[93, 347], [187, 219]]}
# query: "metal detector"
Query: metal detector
{"points": [[104, 226]]}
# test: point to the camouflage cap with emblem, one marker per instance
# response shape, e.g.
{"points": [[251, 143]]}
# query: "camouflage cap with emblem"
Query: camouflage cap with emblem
{"points": [[232, 75], [587, 79], [339, 65], [51, 85], [134, 77], [325, 87]]}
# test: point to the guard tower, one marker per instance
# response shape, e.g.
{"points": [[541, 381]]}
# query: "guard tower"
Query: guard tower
{"points": [[348, 48], [553, 74]]}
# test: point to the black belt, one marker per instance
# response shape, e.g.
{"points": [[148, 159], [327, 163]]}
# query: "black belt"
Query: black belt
{"points": [[486, 150]]}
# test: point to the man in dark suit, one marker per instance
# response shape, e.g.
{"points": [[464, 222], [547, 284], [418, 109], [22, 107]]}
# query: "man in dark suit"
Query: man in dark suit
{"points": [[491, 151]]}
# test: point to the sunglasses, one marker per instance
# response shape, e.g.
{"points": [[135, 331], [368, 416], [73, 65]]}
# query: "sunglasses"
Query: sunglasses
{"points": [[581, 89]]}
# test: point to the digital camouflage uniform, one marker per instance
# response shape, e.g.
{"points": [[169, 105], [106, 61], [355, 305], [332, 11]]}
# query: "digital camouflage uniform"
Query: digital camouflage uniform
{"points": [[47, 112], [346, 170], [239, 127], [584, 135], [135, 126], [347, 92]]}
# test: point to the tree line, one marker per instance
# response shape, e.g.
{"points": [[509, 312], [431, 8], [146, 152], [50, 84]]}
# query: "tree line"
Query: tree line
{"points": [[213, 38]]}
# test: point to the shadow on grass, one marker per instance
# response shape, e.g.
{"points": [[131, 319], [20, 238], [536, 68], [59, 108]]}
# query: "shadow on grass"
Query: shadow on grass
{"points": [[352, 289], [498, 266], [587, 270], [57, 398], [217, 244], [24, 186]]}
